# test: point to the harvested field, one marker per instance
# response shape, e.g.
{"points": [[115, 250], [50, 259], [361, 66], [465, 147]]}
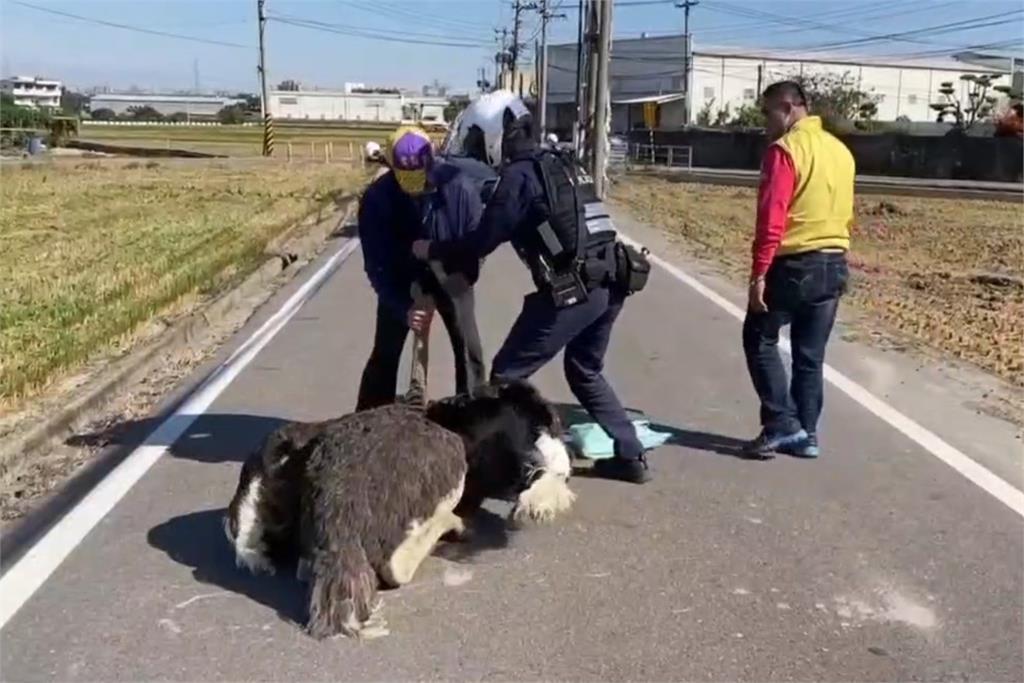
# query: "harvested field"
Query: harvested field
{"points": [[944, 274], [96, 249], [242, 141]]}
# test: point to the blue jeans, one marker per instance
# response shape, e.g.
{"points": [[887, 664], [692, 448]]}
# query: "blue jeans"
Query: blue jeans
{"points": [[803, 291], [583, 330]]}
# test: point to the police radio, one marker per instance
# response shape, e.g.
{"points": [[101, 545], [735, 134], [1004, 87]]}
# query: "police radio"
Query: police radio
{"points": [[566, 286]]}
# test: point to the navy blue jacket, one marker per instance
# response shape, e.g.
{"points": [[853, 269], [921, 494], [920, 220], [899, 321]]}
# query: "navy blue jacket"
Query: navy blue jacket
{"points": [[513, 212], [390, 220]]}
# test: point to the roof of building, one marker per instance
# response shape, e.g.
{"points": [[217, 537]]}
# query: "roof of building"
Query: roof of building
{"points": [[30, 79], [124, 97], [671, 46], [404, 96]]}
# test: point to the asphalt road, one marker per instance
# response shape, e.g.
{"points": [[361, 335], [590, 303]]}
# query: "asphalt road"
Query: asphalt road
{"points": [[876, 562]]}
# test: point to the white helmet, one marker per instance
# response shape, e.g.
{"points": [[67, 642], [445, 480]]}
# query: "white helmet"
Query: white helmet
{"points": [[486, 115], [372, 150]]}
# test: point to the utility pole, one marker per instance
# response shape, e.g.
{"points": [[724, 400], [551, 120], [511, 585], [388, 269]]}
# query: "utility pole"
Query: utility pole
{"points": [[687, 56], [593, 20], [517, 8], [501, 58], [268, 125], [602, 103], [577, 137], [545, 15]]}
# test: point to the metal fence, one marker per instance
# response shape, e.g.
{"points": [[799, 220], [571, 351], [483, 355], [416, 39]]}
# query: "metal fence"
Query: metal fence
{"points": [[675, 156]]}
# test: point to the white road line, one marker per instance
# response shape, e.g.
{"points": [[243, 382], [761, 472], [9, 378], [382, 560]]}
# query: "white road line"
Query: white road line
{"points": [[30, 572], [984, 478]]}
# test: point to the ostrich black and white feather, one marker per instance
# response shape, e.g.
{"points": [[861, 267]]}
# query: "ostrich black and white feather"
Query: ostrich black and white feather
{"points": [[513, 447], [358, 502], [364, 498]]}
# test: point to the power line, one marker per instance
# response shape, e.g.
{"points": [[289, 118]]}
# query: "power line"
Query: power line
{"points": [[845, 14], [628, 3], [805, 24], [419, 16], [373, 29], [938, 29], [376, 36], [126, 27]]}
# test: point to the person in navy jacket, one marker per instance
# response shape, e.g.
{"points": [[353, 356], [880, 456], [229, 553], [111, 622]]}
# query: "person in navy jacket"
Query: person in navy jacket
{"points": [[419, 197]]}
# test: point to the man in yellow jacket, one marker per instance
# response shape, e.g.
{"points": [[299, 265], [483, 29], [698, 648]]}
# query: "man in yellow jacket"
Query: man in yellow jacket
{"points": [[799, 270]]}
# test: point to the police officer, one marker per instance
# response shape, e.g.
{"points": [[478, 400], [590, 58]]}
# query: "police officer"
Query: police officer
{"points": [[569, 246]]}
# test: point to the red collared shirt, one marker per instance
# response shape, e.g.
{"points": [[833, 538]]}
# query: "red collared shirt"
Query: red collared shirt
{"points": [[774, 195]]}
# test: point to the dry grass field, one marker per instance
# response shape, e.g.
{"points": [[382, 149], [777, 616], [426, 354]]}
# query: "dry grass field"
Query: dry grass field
{"points": [[945, 274], [93, 250], [243, 141]]}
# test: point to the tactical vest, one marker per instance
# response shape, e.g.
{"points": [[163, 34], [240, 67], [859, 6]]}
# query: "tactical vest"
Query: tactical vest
{"points": [[576, 226]]}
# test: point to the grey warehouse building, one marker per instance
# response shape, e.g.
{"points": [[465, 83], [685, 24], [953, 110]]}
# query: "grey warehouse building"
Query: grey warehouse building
{"points": [[194, 105]]}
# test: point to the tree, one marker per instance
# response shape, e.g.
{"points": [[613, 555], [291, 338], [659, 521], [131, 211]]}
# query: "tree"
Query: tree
{"points": [[73, 103], [704, 115], [232, 114], [980, 103], [722, 117], [104, 115], [144, 113], [748, 116], [178, 117], [252, 102], [836, 98], [288, 85], [454, 108], [16, 116]]}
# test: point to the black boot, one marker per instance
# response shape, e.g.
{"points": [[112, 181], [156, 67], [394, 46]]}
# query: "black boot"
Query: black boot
{"points": [[632, 470]]}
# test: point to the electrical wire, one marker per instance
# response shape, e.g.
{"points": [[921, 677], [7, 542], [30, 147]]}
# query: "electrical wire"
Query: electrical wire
{"points": [[137, 29], [393, 38], [375, 29], [902, 36]]}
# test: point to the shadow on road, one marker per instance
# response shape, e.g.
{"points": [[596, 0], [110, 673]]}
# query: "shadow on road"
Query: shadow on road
{"points": [[197, 540], [210, 438], [487, 531], [702, 441]]}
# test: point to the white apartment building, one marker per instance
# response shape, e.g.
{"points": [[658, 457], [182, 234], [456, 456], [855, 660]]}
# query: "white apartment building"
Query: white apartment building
{"points": [[33, 91]]}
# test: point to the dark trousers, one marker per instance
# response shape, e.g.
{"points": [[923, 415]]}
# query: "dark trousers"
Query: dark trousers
{"points": [[802, 291], [583, 330], [380, 377]]}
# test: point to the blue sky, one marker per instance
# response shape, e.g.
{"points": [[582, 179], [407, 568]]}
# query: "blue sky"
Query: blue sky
{"points": [[84, 54]]}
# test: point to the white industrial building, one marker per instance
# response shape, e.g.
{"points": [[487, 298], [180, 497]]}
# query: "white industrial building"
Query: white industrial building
{"points": [[33, 91], [330, 105], [651, 70], [192, 105]]}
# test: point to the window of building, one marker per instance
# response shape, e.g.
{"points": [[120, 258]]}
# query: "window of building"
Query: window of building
{"points": [[709, 93], [289, 100], [748, 93]]}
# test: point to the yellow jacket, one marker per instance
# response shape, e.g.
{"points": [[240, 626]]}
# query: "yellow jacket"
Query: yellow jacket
{"points": [[821, 212]]}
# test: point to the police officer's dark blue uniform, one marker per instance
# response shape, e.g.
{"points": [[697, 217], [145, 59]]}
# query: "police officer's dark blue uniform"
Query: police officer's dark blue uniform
{"points": [[513, 213]]}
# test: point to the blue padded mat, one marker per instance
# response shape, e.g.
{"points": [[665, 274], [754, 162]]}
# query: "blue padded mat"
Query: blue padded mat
{"points": [[593, 442]]}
